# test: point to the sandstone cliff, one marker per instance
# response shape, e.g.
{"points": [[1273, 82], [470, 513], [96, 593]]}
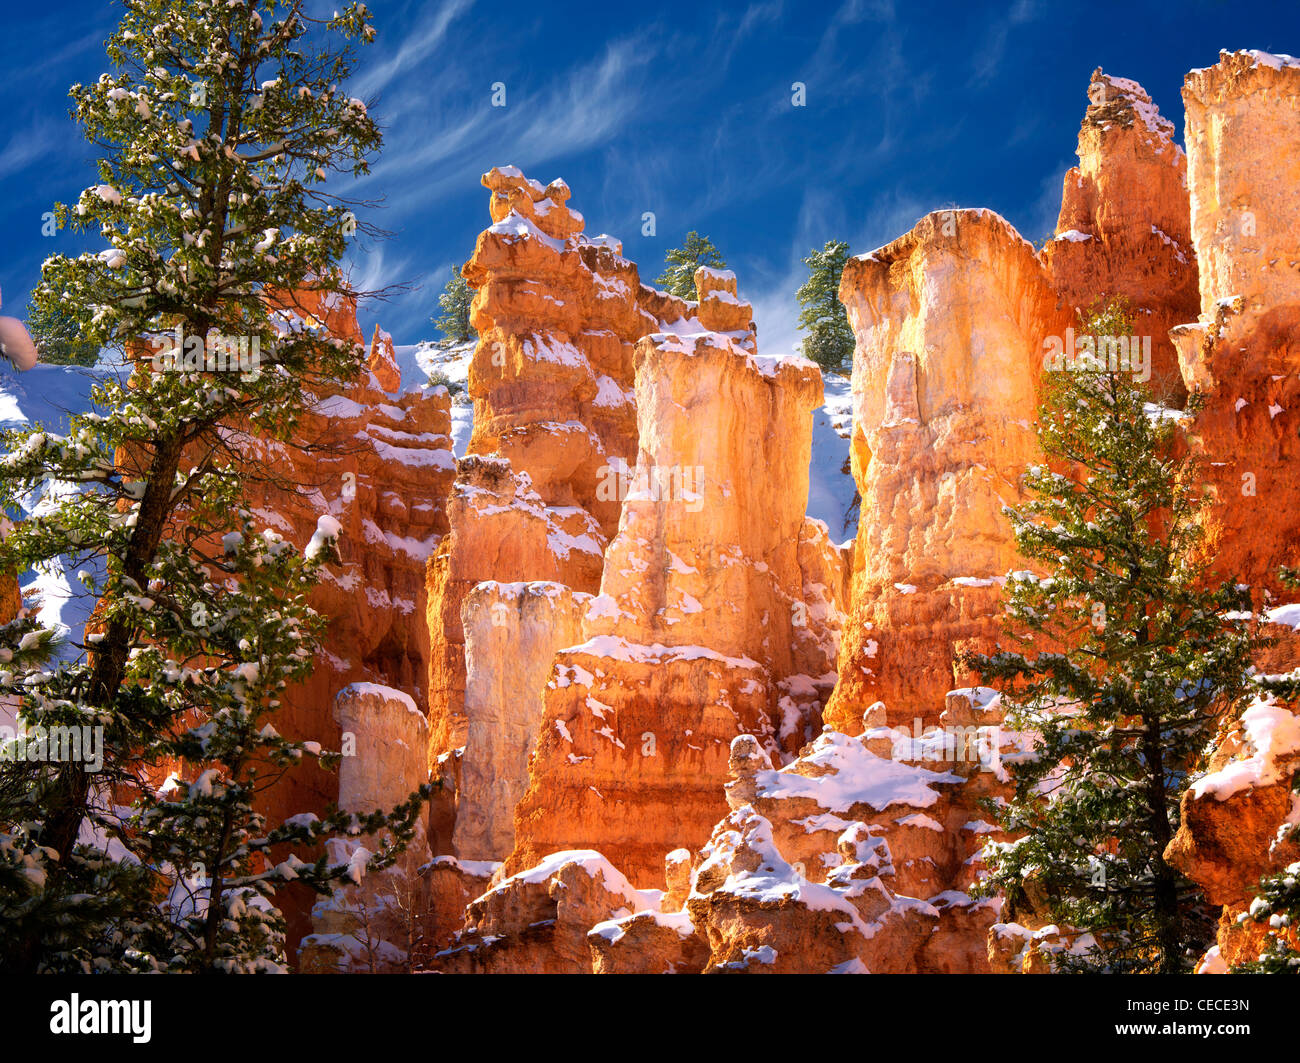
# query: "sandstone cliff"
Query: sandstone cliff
{"points": [[557, 314], [701, 630], [950, 322], [651, 762], [1241, 354], [1125, 225], [381, 464]]}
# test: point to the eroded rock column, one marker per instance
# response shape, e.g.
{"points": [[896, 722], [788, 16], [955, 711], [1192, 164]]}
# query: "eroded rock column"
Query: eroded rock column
{"points": [[950, 322]]}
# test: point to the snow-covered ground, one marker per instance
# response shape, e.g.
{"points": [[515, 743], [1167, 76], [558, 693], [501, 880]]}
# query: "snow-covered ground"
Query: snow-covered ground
{"points": [[45, 394], [830, 486], [448, 365]]}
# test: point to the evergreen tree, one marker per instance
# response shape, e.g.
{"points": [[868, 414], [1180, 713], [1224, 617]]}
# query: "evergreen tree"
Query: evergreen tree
{"points": [[678, 276], [454, 302], [1277, 904], [1277, 900], [1135, 664], [55, 335], [829, 342], [220, 124]]}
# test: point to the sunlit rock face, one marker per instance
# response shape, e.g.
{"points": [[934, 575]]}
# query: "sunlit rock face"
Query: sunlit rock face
{"points": [[1241, 354], [557, 314], [381, 464], [701, 630], [667, 731], [855, 857], [950, 322], [1125, 226], [367, 926], [500, 530], [512, 632], [1234, 825]]}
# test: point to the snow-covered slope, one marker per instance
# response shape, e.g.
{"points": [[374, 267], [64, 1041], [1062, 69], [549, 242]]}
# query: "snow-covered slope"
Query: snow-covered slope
{"points": [[45, 394], [445, 364], [830, 486]]}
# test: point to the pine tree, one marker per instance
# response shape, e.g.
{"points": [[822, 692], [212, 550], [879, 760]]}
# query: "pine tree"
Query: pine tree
{"points": [[221, 125], [1277, 905], [55, 335], [1277, 899], [678, 277], [1136, 662], [829, 342], [454, 302]]}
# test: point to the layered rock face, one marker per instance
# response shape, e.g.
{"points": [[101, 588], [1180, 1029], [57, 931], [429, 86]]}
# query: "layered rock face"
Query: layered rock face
{"points": [[554, 463], [500, 531], [676, 737], [1243, 150], [557, 315], [1125, 225], [702, 627], [537, 922], [856, 857], [369, 925], [884, 828], [1238, 825], [382, 465], [512, 632], [950, 322]]}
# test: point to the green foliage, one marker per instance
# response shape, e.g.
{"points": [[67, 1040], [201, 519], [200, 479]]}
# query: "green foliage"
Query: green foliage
{"points": [[678, 277], [829, 342], [1277, 900], [221, 125], [1135, 665], [57, 340], [454, 302], [1277, 905]]}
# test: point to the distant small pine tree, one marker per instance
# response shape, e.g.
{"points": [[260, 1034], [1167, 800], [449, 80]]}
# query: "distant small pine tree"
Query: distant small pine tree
{"points": [[454, 302], [678, 277], [829, 341]]}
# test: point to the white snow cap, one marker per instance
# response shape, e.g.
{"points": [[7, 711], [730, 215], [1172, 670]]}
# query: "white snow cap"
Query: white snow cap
{"points": [[327, 530]]}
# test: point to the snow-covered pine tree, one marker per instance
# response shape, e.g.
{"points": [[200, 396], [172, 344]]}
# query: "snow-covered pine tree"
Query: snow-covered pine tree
{"points": [[678, 276], [1277, 905], [1277, 900], [829, 339], [220, 125], [453, 321], [1128, 659], [55, 336]]}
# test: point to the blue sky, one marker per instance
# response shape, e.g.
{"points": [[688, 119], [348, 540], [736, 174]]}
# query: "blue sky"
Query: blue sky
{"points": [[680, 108]]}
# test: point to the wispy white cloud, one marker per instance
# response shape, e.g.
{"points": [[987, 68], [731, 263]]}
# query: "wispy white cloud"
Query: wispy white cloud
{"points": [[49, 64], [729, 33], [988, 55], [30, 146], [418, 47], [577, 109]]}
